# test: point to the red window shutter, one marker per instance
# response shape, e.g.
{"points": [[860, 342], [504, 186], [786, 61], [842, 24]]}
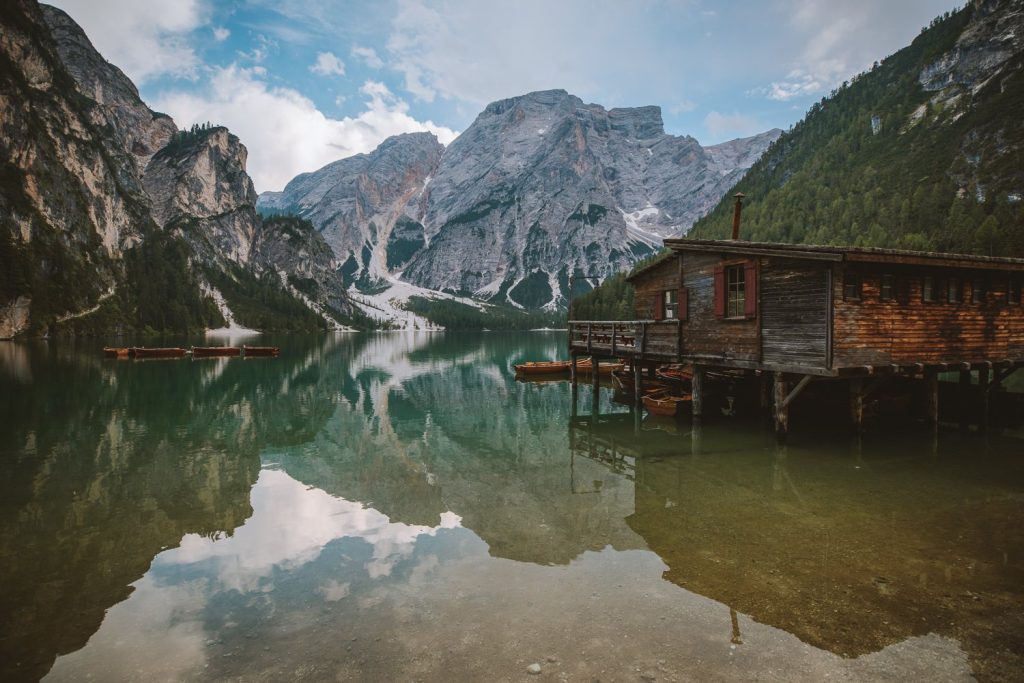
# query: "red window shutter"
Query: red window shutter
{"points": [[659, 306], [719, 292], [750, 289], [684, 303]]}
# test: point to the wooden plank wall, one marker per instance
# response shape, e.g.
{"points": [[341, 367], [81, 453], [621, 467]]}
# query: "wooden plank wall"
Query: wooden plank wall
{"points": [[703, 333], [794, 312], [872, 331], [653, 283]]}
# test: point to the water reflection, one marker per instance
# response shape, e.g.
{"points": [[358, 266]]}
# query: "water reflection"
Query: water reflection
{"points": [[396, 506]]}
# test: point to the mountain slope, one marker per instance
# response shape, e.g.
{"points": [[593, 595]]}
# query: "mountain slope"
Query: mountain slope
{"points": [[537, 188], [924, 151], [110, 218]]}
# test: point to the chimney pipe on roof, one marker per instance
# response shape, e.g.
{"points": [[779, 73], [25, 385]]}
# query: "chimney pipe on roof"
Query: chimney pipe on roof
{"points": [[736, 215]]}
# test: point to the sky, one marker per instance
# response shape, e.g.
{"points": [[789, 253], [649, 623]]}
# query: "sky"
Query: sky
{"points": [[307, 82]]}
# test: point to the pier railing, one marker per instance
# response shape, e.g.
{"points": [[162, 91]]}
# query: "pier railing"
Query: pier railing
{"points": [[627, 338]]}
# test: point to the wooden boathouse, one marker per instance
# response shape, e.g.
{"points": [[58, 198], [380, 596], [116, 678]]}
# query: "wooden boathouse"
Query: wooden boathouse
{"points": [[793, 314]]}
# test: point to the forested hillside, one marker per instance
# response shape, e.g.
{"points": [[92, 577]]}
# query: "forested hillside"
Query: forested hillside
{"points": [[924, 151]]}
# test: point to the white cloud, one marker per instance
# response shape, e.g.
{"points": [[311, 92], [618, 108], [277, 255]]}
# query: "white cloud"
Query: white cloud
{"points": [[328, 64], [727, 126], [290, 135], [221, 34], [368, 55], [836, 40], [144, 42], [682, 106], [479, 52]]}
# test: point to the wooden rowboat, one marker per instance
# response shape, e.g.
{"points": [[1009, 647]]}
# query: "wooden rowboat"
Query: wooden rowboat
{"points": [[665, 404], [586, 367], [156, 352], [264, 351], [676, 375], [115, 351], [216, 351], [542, 367], [624, 382]]}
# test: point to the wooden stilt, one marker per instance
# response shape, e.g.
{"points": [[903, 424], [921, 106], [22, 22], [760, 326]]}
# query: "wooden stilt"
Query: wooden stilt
{"points": [[698, 391], [965, 399], [638, 382], [697, 438], [931, 397], [781, 407], [984, 375], [857, 404], [595, 378], [573, 375]]}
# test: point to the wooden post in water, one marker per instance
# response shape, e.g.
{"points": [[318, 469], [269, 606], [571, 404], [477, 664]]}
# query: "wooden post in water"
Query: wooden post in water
{"points": [[857, 404], [781, 408], [572, 369], [698, 391], [638, 383], [983, 387], [931, 397], [965, 399]]}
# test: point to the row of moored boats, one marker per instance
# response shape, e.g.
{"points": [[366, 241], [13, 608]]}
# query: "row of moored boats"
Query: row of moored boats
{"points": [[667, 394], [195, 352]]}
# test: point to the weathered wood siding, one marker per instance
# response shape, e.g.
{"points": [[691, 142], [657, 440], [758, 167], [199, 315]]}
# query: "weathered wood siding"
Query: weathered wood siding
{"points": [[652, 283], [704, 335], [872, 331], [794, 312]]}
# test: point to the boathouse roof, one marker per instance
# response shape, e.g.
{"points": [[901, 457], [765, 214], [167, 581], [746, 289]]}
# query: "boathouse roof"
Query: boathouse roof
{"points": [[814, 252]]}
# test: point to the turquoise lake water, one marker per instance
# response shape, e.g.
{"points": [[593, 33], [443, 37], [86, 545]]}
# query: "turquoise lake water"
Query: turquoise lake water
{"points": [[391, 507]]}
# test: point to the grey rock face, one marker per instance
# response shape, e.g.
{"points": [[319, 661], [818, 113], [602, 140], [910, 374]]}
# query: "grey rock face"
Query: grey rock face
{"points": [[140, 131], [538, 187], [93, 171], [201, 188], [356, 202], [994, 35]]}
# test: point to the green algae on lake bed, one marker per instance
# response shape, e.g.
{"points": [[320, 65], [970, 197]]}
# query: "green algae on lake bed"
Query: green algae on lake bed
{"points": [[397, 507]]}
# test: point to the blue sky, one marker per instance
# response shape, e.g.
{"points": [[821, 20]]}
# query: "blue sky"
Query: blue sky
{"points": [[305, 82]]}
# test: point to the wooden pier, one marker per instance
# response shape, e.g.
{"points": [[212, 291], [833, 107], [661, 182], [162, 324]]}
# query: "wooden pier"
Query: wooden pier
{"points": [[785, 316]]}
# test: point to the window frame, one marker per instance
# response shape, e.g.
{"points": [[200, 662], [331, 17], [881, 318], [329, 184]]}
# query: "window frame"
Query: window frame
{"points": [[887, 282], [979, 291], [739, 287], [929, 289], [1013, 293], [853, 280], [670, 304], [955, 290]]}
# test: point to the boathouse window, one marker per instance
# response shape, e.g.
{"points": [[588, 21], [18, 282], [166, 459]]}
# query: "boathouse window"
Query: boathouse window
{"points": [[671, 298], [888, 287], [736, 288], [928, 290], [978, 292], [954, 291], [736, 291], [1013, 292], [851, 287]]}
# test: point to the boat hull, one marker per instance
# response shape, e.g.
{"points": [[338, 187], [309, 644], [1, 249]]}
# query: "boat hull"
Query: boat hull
{"points": [[665, 405], [216, 351], [542, 368], [143, 352], [261, 351]]}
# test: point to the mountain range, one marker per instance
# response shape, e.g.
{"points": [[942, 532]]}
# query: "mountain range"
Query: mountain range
{"points": [[538, 188]]}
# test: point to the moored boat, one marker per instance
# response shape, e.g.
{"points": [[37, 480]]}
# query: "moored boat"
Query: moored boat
{"points": [[675, 374], [157, 352], [263, 351], [542, 367], [586, 366], [665, 404], [115, 351], [216, 351], [624, 383]]}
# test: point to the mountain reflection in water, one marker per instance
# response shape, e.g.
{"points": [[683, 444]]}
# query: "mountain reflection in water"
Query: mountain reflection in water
{"points": [[396, 506]]}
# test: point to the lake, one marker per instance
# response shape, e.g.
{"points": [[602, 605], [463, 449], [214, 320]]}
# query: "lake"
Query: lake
{"points": [[390, 507]]}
